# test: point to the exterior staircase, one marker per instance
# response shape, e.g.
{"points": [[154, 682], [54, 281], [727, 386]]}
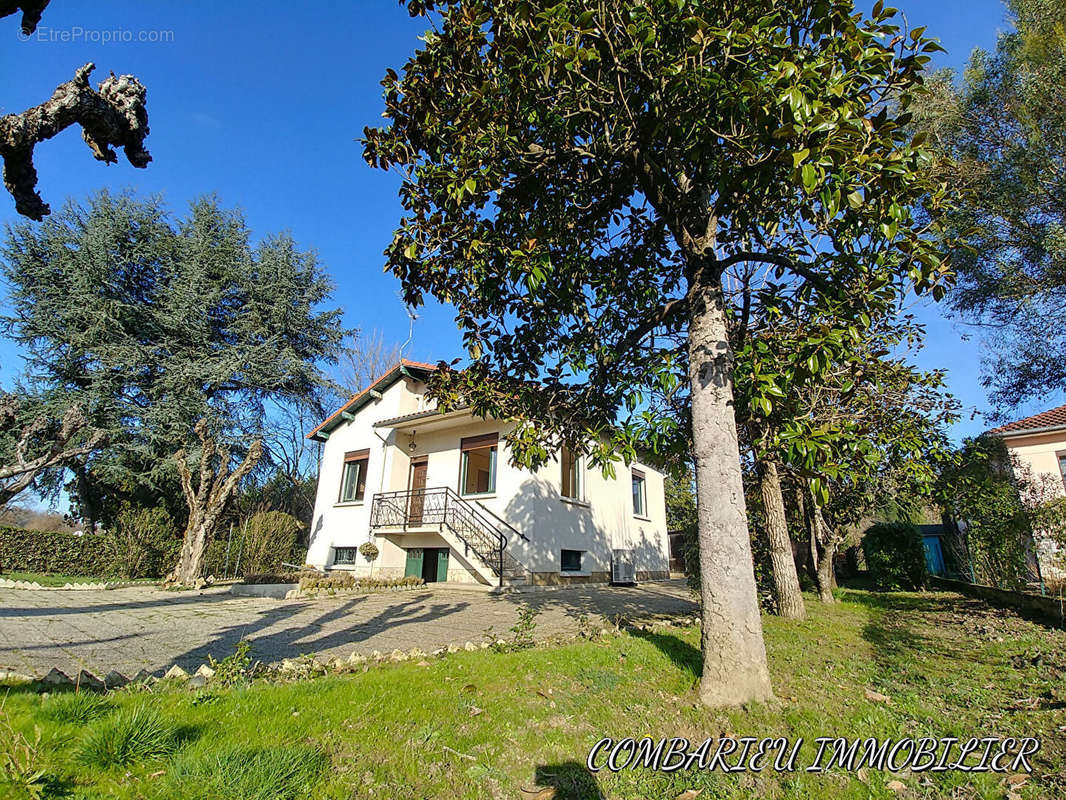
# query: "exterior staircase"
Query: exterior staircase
{"points": [[469, 527]]}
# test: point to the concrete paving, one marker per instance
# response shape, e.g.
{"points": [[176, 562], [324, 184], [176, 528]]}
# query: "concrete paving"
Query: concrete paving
{"points": [[145, 628]]}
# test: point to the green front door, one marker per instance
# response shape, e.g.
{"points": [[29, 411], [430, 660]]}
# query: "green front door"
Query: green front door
{"points": [[442, 564], [414, 562]]}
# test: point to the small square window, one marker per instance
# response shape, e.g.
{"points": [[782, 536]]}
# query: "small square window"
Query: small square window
{"points": [[571, 560], [345, 555], [640, 494]]}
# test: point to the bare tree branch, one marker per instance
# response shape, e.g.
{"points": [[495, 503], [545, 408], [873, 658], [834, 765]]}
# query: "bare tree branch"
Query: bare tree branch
{"points": [[114, 115], [19, 475], [31, 12]]}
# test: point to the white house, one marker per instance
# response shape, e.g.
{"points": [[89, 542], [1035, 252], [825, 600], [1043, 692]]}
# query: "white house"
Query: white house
{"points": [[437, 494]]}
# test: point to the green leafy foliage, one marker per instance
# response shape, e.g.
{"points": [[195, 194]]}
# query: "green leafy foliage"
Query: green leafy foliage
{"points": [[570, 173], [21, 775], [895, 556], [233, 669], [680, 502], [997, 505], [523, 632], [153, 321]]}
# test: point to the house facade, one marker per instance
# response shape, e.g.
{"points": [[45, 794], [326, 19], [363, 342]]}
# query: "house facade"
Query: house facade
{"points": [[438, 496], [1037, 445]]}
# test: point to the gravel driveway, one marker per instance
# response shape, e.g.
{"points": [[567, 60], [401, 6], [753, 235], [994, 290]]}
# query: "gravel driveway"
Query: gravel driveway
{"points": [[145, 628]]}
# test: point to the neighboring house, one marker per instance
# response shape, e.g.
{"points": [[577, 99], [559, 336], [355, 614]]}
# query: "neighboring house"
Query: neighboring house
{"points": [[1038, 446], [438, 496]]}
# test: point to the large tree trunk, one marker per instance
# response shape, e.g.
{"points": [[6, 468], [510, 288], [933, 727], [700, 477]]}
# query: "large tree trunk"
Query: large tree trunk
{"points": [[734, 656], [206, 501], [786, 581]]}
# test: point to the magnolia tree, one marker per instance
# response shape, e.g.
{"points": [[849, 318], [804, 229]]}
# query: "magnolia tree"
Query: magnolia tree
{"points": [[842, 413], [578, 177]]}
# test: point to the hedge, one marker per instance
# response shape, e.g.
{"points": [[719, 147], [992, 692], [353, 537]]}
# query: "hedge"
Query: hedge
{"points": [[51, 551]]}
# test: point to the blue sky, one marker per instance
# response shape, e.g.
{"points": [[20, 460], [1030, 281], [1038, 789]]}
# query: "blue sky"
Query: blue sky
{"points": [[265, 108]]}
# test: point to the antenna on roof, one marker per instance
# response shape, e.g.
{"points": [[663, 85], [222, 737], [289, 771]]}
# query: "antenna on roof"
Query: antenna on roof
{"points": [[411, 316]]}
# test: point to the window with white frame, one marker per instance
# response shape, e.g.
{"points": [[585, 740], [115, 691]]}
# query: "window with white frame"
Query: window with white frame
{"points": [[571, 484], [477, 468], [353, 478], [640, 494]]}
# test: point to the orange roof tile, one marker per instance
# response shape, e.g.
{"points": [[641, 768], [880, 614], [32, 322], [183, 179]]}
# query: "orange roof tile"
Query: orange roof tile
{"points": [[1045, 419], [403, 362]]}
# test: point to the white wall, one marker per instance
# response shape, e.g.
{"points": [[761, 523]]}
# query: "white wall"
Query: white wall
{"points": [[529, 501], [336, 524], [1039, 454]]}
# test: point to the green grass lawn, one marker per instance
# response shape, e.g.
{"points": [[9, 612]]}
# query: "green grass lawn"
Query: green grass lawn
{"points": [[486, 725], [49, 579]]}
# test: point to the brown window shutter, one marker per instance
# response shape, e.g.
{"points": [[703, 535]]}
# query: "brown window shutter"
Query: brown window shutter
{"points": [[356, 455], [638, 473], [475, 442]]}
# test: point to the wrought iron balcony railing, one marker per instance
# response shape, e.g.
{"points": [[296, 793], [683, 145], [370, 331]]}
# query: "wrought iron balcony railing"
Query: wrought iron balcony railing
{"points": [[443, 508]]}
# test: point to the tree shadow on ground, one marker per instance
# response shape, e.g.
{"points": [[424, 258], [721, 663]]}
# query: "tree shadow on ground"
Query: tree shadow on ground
{"points": [[906, 629], [684, 656], [571, 781], [300, 639], [646, 601]]}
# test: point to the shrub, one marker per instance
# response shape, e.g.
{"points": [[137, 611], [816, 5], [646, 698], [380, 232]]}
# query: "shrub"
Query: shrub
{"points": [[129, 736], [272, 577], [62, 553], [269, 539], [144, 543], [79, 707], [522, 632], [331, 580], [895, 555], [267, 773], [233, 669]]}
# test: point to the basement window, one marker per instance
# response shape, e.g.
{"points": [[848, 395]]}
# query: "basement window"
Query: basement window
{"points": [[345, 555], [571, 560]]}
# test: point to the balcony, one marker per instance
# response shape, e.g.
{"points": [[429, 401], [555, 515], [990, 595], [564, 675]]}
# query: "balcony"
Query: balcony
{"points": [[443, 509]]}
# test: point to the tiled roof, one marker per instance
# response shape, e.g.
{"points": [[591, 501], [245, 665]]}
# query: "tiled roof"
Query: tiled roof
{"points": [[390, 375], [433, 412], [1045, 419]]}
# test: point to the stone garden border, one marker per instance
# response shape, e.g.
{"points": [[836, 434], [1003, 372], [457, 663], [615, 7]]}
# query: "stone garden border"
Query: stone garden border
{"points": [[7, 583]]}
